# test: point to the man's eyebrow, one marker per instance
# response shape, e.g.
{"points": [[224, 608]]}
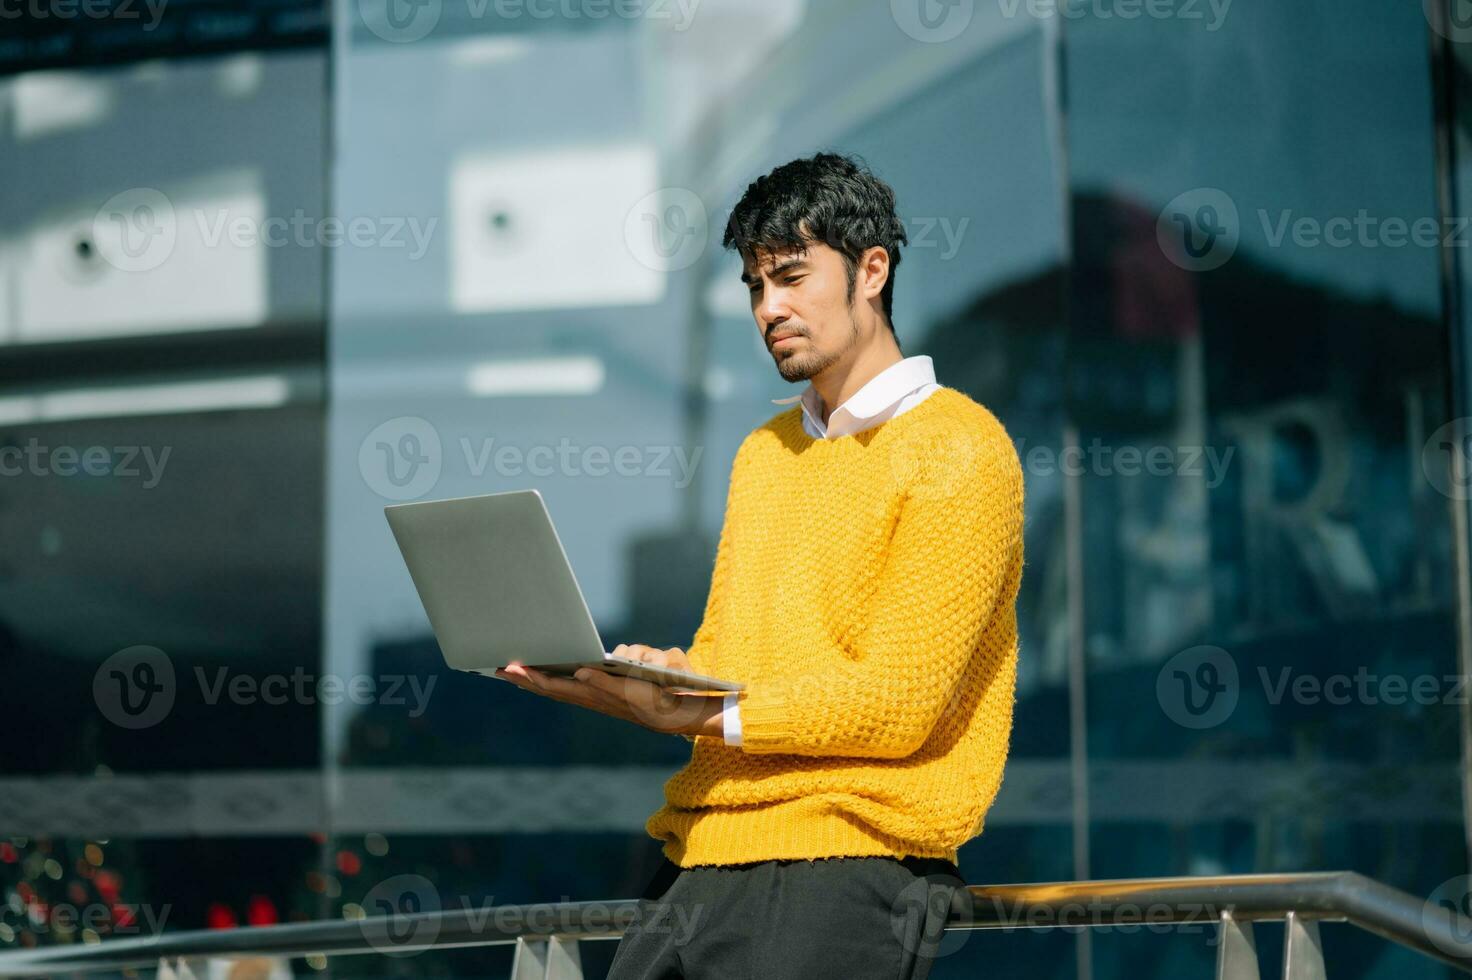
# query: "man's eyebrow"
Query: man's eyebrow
{"points": [[777, 270]]}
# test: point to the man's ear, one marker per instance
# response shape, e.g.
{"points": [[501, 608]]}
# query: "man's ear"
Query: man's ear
{"points": [[873, 271]]}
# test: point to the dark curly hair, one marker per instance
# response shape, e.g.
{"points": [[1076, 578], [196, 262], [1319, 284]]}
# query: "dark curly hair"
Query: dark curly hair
{"points": [[828, 198]]}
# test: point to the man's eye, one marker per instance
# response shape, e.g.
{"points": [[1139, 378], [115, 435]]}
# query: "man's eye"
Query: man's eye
{"points": [[794, 280]]}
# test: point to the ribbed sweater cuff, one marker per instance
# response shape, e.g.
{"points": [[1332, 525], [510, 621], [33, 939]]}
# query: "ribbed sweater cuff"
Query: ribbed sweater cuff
{"points": [[768, 721]]}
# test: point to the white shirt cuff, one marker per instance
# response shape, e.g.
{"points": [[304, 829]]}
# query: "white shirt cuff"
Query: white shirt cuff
{"points": [[731, 718]]}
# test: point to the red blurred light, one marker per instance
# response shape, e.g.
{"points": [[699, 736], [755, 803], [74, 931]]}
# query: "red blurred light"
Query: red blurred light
{"points": [[109, 885], [261, 911], [349, 863], [220, 916]]}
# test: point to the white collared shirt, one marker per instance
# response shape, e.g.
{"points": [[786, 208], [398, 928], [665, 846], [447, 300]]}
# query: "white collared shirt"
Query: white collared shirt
{"points": [[893, 391]]}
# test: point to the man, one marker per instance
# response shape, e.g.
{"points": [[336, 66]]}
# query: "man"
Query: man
{"points": [[864, 591]]}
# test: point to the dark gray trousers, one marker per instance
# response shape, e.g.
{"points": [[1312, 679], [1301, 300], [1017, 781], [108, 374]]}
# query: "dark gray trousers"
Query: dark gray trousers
{"points": [[845, 917]]}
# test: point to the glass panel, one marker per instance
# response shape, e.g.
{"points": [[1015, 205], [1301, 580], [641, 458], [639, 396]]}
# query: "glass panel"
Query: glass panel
{"points": [[558, 301], [1254, 363], [980, 290], [161, 446]]}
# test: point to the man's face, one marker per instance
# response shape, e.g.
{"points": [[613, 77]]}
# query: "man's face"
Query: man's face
{"points": [[803, 308]]}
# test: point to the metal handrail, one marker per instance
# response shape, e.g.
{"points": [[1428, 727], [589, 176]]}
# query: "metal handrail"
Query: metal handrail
{"points": [[1226, 902]]}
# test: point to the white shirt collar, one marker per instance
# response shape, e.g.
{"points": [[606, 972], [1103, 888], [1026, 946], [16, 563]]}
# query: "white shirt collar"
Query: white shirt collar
{"points": [[878, 395]]}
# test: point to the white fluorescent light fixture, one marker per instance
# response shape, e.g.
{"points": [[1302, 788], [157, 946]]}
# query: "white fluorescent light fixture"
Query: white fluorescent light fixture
{"points": [[264, 391], [487, 49], [540, 376]]}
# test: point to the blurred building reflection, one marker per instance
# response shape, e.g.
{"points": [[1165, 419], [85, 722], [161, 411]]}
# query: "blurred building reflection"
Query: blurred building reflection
{"points": [[283, 278]]}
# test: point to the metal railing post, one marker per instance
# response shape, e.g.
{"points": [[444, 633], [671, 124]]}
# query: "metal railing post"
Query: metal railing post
{"points": [[546, 959], [1236, 951], [1303, 956], [179, 969]]}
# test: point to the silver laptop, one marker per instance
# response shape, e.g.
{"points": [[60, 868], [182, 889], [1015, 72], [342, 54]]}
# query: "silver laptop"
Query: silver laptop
{"points": [[497, 587]]}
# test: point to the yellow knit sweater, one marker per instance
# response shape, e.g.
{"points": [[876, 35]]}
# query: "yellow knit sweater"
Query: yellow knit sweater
{"points": [[864, 590]]}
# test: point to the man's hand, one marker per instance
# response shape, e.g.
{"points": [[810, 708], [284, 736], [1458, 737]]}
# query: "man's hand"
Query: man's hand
{"points": [[640, 702]]}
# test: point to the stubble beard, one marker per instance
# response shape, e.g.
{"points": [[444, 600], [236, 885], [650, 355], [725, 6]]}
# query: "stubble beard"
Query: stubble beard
{"points": [[803, 365]]}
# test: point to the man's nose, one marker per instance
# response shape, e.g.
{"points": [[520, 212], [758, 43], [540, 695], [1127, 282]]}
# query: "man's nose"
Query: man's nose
{"points": [[773, 311]]}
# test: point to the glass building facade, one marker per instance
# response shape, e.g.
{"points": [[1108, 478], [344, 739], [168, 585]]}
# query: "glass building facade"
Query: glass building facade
{"points": [[1204, 260]]}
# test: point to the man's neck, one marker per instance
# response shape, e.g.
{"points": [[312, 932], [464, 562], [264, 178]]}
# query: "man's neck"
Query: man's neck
{"points": [[838, 384]]}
